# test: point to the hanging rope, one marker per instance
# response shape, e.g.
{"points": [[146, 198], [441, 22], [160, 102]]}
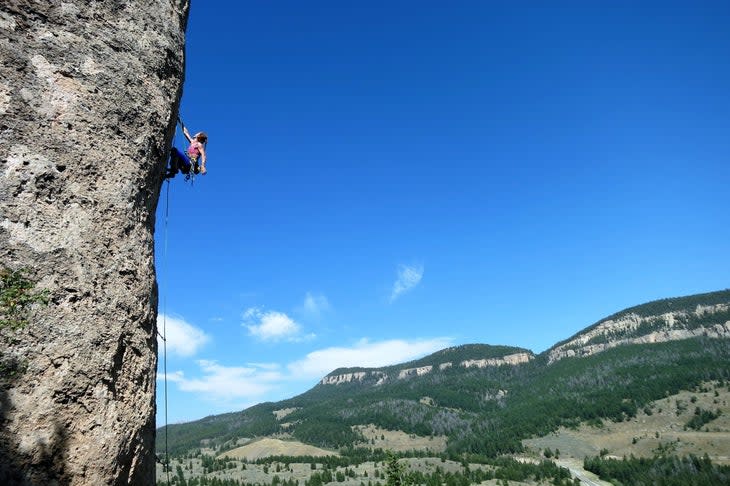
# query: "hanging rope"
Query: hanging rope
{"points": [[191, 177], [166, 465]]}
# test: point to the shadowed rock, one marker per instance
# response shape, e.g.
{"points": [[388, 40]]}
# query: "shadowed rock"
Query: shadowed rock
{"points": [[89, 93]]}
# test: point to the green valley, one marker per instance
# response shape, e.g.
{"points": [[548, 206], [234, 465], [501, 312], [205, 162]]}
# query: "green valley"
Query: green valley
{"points": [[648, 382]]}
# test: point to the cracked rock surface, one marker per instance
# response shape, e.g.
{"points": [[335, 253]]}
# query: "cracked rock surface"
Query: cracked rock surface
{"points": [[89, 92]]}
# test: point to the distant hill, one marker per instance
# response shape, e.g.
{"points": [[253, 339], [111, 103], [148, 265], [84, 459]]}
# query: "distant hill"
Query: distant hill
{"points": [[467, 356], [485, 399]]}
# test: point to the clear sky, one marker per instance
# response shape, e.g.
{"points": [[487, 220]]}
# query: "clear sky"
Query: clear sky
{"points": [[389, 178]]}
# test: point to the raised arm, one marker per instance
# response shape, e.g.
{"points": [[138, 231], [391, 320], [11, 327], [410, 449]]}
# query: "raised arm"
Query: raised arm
{"points": [[187, 134]]}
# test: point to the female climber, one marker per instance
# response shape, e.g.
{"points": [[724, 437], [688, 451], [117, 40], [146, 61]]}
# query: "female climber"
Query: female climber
{"points": [[185, 162], [196, 150]]}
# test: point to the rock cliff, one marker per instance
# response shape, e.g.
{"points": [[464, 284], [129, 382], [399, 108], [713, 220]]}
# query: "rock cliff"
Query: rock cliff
{"points": [[510, 359], [343, 378], [89, 93], [409, 372], [382, 377], [705, 320]]}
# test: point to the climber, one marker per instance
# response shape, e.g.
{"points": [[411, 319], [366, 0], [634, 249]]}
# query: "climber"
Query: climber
{"points": [[196, 150], [185, 162]]}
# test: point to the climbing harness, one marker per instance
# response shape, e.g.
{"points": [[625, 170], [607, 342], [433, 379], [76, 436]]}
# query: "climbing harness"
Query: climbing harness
{"points": [[182, 162], [193, 158]]}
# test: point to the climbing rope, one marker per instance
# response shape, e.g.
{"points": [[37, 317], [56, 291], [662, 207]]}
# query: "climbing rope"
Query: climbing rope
{"points": [[163, 336], [166, 465]]}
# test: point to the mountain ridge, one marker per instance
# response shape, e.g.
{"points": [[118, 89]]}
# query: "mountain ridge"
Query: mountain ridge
{"points": [[705, 314], [466, 355], [489, 409], [681, 319], [660, 306]]}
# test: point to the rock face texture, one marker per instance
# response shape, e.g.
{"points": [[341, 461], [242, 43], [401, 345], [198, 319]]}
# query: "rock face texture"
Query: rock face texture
{"points": [[406, 373], [510, 359], [382, 377], [705, 320], [89, 92]]}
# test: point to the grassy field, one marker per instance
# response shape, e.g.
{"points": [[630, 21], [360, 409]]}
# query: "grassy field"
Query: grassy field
{"points": [[399, 441], [267, 447], [239, 461], [365, 473], [662, 427], [239, 466]]}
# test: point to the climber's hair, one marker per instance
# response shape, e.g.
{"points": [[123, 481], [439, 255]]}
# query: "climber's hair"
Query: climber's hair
{"points": [[201, 137]]}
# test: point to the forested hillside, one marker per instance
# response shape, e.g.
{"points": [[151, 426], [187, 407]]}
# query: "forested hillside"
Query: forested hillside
{"points": [[487, 409]]}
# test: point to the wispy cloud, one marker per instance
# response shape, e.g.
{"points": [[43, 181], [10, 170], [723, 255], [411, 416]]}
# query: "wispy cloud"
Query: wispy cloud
{"points": [[271, 325], [408, 277], [174, 377], [228, 385], [266, 366], [364, 353], [233, 386], [315, 305], [231, 381], [183, 338]]}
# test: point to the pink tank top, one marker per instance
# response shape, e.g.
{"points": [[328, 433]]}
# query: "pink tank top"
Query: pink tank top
{"points": [[194, 149]]}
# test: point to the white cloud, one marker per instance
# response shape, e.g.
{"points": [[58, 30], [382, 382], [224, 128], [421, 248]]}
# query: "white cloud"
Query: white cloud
{"points": [[175, 377], [366, 354], [226, 384], [183, 339], [315, 305], [266, 366], [220, 381], [408, 277], [238, 387], [270, 325]]}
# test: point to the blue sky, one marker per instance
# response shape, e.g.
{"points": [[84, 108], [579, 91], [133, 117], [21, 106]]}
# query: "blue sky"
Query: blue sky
{"points": [[390, 178]]}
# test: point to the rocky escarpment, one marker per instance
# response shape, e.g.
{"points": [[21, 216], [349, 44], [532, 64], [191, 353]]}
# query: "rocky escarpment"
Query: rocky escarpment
{"points": [[344, 378], [421, 370], [705, 320], [510, 359], [381, 377], [88, 101]]}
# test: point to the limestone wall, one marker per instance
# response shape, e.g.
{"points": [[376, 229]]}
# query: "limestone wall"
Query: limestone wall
{"points": [[510, 359], [668, 327], [89, 92]]}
